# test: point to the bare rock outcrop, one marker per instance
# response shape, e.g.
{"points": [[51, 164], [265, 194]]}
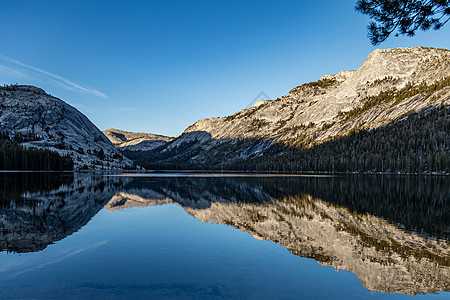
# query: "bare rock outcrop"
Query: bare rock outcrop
{"points": [[135, 141], [55, 125]]}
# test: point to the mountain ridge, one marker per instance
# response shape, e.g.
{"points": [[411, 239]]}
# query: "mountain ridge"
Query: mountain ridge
{"points": [[382, 70], [388, 86], [57, 126]]}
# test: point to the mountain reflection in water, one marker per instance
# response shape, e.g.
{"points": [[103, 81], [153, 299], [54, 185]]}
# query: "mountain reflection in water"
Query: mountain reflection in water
{"points": [[38, 209], [392, 232]]}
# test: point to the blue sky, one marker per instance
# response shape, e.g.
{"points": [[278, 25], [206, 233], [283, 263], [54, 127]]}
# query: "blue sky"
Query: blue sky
{"points": [[159, 66]]}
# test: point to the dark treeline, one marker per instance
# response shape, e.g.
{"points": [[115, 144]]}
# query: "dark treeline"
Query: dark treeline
{"points": [[418, 144], [13, 156]]}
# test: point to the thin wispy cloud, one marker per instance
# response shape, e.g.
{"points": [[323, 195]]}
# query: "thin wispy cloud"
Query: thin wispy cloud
{"points": [[59, 80], [7, 71]]}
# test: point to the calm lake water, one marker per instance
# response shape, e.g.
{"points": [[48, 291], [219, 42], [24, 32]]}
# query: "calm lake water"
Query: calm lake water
{"points": [[85, 236]]}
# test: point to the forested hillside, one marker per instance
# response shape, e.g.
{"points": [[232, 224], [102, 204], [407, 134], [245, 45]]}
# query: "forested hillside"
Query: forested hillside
{"points": [[13, 156], [418, 143]]}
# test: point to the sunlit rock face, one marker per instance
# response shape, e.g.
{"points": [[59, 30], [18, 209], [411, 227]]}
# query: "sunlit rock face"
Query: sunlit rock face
{"points": [[31, 221], [57, 126], [316, 112], [135, 141], [384, 256], [322, 101]]}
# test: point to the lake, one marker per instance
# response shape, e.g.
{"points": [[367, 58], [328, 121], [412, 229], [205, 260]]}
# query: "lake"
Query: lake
{"points": [[233, 236]]}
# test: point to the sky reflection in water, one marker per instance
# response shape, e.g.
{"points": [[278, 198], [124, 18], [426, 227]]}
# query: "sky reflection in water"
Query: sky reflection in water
{"points": [[160, 237]]}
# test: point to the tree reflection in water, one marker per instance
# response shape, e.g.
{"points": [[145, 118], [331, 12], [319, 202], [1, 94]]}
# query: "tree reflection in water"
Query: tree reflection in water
{"points": [[391, 231]]}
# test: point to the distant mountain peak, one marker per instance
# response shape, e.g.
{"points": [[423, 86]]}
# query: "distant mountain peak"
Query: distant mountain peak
{"points": [[135, 141]]}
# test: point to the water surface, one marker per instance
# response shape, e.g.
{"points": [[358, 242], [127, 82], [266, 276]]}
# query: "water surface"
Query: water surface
{"points": [[81, 236]]}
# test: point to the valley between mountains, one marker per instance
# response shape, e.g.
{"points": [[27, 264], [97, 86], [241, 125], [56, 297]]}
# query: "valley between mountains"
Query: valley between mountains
{"points": [[390, 115]]}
